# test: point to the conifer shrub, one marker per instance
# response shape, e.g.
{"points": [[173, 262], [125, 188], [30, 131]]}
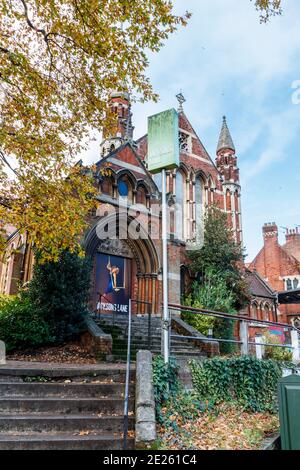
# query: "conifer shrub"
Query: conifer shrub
{"points": [[60, 290]]}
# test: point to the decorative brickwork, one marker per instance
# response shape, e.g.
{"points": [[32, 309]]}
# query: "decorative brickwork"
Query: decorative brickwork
{"points": [[278, 264], [197, 183]]}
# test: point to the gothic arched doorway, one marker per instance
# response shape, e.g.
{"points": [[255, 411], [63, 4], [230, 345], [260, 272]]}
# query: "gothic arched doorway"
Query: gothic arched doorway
{"points": [[123, 269]]}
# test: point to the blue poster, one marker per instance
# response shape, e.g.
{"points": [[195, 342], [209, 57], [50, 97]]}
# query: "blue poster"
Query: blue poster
{"points": [[112, 284]]}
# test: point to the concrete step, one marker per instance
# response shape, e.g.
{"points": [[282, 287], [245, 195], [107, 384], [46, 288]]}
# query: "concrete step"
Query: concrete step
{"points": [[62, 390], [64, 442], [59, 406], [29, 423], [102, 372], [193, 354]]}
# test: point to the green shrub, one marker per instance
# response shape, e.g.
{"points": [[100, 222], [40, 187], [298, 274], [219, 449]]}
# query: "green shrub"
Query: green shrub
{"points": [[61, 290], [165, 381], [278, 354], [21, 325], [213, 294], [5, 298], [246, 380], [171, 400]]}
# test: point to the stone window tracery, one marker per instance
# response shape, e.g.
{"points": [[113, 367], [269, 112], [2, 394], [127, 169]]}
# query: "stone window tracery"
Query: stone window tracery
{"points": [[184, 142]]}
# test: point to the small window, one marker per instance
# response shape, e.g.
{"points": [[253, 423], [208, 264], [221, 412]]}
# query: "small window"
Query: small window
{"points": [[141, 196], [106, 186], [289, 285], [253, 311], [266, 313], [123, 188], [295, 283]]}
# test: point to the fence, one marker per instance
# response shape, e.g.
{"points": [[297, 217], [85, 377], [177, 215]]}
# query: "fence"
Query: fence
{"points": [[244, 324]]}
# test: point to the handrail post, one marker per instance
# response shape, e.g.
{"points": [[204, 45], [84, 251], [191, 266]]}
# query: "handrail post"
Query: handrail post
{"points": [[244, 338], [258, 346], [295, 345], [149, 327], [2, 353], [127, 380]]}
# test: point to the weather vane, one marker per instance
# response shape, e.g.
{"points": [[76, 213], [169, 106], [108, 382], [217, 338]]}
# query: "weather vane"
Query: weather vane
{"points": [[181, 99]]}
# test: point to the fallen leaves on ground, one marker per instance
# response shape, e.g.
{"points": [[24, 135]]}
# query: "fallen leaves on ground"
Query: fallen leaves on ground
{"points": [[72, 353], [226, 428]]}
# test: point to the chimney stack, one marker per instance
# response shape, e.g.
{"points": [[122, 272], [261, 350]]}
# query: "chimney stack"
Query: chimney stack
{"points": [[270, 232], [292, 235]]}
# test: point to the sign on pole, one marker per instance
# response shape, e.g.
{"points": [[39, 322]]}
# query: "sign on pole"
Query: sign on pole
{"points": [[163, 141], [163, 154]]}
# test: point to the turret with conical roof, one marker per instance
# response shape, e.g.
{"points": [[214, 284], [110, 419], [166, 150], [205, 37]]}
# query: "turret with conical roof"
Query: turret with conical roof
{"points": [[225, 139], [226, 162]]}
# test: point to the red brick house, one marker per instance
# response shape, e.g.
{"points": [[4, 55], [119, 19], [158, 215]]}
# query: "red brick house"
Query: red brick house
{"points": [[279, 266]]}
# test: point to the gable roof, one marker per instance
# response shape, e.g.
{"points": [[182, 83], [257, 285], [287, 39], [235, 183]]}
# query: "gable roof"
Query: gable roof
{"points": [[125, 158], [258, 286]]}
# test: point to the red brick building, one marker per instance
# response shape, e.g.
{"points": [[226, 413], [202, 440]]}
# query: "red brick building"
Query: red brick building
{"points": [[279, 266], [130, 193]]}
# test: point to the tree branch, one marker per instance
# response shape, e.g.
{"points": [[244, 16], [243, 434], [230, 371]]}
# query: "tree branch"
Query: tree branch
{"points": [[6, 162]]}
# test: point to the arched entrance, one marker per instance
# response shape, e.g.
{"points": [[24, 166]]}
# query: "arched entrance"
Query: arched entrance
{"points": [[123, 267]]}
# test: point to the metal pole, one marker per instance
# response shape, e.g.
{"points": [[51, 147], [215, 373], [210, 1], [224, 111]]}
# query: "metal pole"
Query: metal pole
{"points": [[127, 380], [165, 269]]}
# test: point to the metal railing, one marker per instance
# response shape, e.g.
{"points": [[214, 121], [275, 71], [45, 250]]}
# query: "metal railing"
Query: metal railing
{"points": [[244, 322], [127, 380], [128, 362]]}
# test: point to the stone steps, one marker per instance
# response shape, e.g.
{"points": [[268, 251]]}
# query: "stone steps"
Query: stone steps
{"points": [[118, 327], [64, 407], [62, 390], [64, 441], [107, 406], [53, 423]]}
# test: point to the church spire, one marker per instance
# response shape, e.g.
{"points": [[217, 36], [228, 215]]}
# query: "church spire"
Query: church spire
{"points": [[225, 139]]}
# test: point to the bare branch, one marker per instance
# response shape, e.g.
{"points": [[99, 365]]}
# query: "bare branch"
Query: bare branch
{"points": [[6, 162]]}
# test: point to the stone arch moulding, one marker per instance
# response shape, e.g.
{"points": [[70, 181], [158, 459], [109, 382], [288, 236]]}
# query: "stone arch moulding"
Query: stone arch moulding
{"points": [[143, 247], [145, 286]]}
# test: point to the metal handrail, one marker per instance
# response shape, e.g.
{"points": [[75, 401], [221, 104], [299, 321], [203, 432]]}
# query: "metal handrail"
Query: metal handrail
{"points": [[128, 363], [229, 316], [127, 380], [234, 341]]}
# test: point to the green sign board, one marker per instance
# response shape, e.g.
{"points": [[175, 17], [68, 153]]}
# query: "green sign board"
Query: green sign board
{"points": [[163, 141]]}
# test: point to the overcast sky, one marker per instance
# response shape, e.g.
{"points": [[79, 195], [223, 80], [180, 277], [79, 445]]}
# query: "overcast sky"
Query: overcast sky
{"points": [[226, 62]]}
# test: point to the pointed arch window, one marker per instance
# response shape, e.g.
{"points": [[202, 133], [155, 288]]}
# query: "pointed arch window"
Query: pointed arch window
{"points": [[125, 188], [106, 186], [266, 312], [253, 311], [199, 205], [181, 205], [141, 197]]}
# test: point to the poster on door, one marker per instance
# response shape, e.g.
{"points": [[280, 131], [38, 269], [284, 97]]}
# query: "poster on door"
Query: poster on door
{"points": [[113, 284]]}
